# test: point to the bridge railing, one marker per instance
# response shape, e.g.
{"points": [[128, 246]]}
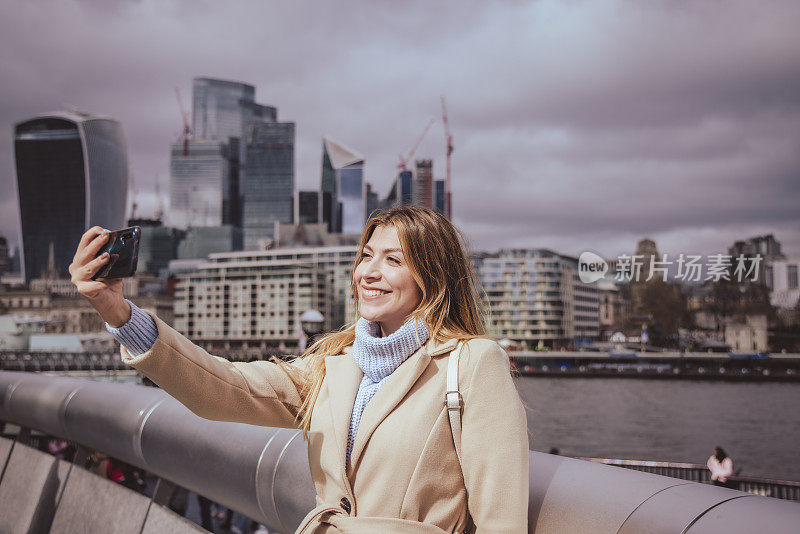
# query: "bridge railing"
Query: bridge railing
{"points": [[780, 489], [263, 472]]}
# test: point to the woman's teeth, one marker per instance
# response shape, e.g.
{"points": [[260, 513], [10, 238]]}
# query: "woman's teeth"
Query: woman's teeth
{"points": [[374, 292]]}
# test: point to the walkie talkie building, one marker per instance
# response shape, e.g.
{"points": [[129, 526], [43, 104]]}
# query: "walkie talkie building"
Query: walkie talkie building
{"points": [[72, 174]]}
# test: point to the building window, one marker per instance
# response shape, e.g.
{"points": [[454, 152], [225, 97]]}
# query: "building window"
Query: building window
{"points": [[791, 275]]}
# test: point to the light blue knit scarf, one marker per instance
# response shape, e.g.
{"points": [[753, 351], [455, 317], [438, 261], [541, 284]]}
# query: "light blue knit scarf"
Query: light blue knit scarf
{"points": [[378, 357]]}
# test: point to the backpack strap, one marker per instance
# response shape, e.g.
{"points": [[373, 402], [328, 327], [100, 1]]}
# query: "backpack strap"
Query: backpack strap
{"points": [[454, 403], [453, 399]]}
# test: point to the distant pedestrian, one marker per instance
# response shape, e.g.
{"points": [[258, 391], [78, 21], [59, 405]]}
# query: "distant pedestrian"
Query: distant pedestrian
{"points": [[58, 448], [721, 467]]}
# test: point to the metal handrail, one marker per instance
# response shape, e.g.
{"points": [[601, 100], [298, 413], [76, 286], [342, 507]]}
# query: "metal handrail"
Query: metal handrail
{"points": [[781, 489], [264, 474]]}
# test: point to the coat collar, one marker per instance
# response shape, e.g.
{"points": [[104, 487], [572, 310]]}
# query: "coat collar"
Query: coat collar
{"points": [[439, 348], [344, 377]]}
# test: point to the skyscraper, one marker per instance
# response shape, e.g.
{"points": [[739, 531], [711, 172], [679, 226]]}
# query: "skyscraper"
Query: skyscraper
{"points": [[372, 202], [201, 188], [343, 189], [223, 109], [422, 191], [419, 189], [222, 114], [72, 174], [439, 200], [400, 193], [308, 207], [268, 186], [405, 183]]}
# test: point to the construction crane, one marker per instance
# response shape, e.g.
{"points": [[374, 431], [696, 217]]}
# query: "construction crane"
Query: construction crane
{"points": [[187, 130], [449, 138], [406, 159]]}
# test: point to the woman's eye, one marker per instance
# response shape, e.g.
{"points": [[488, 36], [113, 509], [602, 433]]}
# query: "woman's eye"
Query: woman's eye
{"points": [[394, 260], [365, 256]]}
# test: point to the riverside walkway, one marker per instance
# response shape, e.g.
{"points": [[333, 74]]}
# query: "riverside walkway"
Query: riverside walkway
{"points": [[759, 367], [614, 364], [263, 473]]}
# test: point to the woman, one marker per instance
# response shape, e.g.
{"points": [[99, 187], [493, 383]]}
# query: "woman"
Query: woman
{"points": [[369, 398], [721, 467]]}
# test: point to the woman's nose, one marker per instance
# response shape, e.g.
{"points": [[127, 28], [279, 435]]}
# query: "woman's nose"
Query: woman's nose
{"points": [[373, 271]]}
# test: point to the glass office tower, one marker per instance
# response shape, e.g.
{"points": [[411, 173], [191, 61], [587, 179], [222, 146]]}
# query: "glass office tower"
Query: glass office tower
{"points": [[343, 189], [352, 199], [268, 186], [330, 203], [400, 193], [373, 203], [223, 112], [406, 181], [439, 199], [223, 109], [422, 191], [72, 174], [308, 207], [200, 183]]}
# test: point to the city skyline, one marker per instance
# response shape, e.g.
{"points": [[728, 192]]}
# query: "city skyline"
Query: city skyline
{"points": [[580, 127]]}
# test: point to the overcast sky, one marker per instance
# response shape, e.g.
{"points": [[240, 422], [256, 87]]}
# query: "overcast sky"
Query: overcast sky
{"points": [[577, 125]]}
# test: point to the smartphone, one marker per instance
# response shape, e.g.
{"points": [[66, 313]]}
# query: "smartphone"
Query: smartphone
{"points": [[123, 250]]}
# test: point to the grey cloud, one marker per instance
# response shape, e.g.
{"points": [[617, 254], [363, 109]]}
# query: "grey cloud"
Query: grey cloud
{"points": [[577, 125], [603, 67]]}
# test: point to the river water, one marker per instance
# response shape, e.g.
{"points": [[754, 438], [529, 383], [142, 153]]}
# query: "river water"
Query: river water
{"points": [[758, 424]]}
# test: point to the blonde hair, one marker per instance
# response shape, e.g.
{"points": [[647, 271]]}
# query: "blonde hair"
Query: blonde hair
{"points": [[451, 307]]}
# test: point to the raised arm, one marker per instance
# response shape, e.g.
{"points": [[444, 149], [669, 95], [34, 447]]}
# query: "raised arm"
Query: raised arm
{"points": [[494, 442], [260, 393]]}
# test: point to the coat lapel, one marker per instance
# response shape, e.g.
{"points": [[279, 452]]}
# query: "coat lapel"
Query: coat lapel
{"points": [[392, 392], [343, 376]]}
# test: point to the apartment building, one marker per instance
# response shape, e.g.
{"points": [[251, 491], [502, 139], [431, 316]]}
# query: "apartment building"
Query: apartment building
{"points": [[255, 298], [536, 298]]}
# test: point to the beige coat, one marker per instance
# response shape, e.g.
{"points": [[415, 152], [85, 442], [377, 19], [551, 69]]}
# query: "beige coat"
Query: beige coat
{"points": [[404, 473]]}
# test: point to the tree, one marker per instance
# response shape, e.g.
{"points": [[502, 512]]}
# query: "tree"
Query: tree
{"points": [[728, 298], [665, 305]]}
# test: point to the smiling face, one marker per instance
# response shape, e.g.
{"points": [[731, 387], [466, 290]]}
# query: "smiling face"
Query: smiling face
{"points": [[387, 291]]}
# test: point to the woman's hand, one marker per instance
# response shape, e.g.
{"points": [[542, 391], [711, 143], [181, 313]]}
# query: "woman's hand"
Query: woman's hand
{"points": [[104, 294]]}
